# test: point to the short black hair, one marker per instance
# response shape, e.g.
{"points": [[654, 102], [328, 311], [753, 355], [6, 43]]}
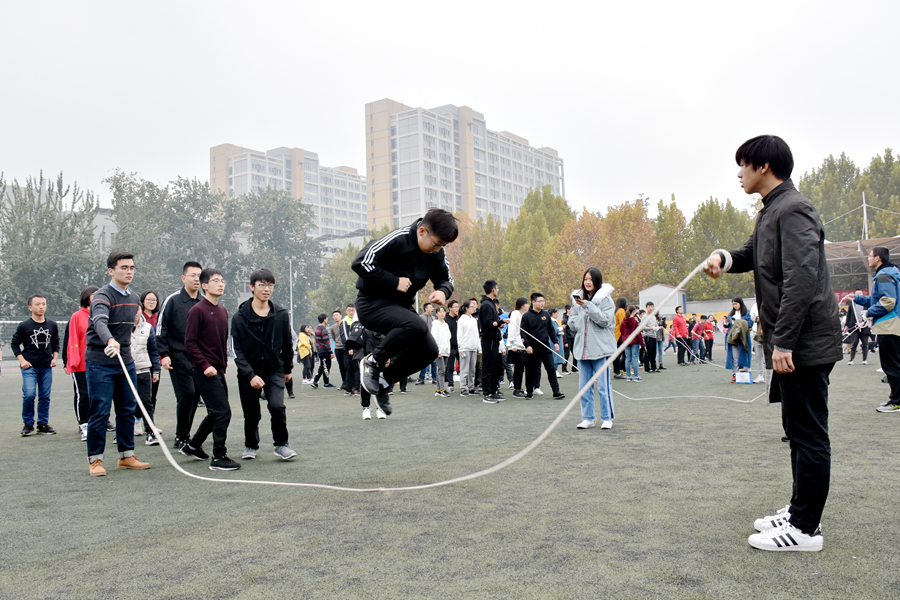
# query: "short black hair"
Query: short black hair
{"points": [[263, 275], [85, 298], [521, 301], [33, 296], [883, 253], [337, 310], [451, 303], [489, 286], [191, 264], [769, 149], [206, 274], [113, 259], [322, 318], [144, 296], [351, 305], [442, 224], [568, 306], [535, 296], [650, 304], [702, 317], [426, 305]]}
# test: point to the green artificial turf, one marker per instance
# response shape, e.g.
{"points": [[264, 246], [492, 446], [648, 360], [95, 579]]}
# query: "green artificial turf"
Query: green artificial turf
{"points": [[658, 507]]}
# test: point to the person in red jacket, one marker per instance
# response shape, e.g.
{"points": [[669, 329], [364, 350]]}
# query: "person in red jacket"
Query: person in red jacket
{"points": [[709, 332], [679, 327], [74, 343], [633, 351]]}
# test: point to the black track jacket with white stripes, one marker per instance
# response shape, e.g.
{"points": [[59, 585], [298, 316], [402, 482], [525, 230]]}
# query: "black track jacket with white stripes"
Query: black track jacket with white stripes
{"points": [[382, 263]]}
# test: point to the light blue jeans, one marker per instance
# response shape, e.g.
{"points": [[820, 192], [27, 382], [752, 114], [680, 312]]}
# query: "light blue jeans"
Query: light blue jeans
{"points": [[659, 351], [632, 360], [586, 370]]}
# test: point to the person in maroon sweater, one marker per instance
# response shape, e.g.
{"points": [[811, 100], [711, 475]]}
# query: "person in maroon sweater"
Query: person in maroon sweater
{"points": [[633, 351], [206, 343]]}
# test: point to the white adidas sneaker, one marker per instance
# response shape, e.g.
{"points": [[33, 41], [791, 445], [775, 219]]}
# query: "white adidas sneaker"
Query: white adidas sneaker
{"points": [[787, 538], [780, 517]]}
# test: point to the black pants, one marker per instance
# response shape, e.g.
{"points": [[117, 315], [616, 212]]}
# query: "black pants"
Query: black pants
{"points": [[145, 391], [889, 351], [214, 391], [492, 365], [683, 345], [309, 364], [351, 368], [517, 359], [533, 364], [82, 397], [406, 342], [186, 394], [855, 338], [479, 367], [804, 415], [649, 354], [324, 367], [339, 359], [709, 345], [274, 387], [619, 363]]}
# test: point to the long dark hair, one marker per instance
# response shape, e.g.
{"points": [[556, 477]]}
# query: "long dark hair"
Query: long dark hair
{"points": [[743, 307], [596, 278], [144, 296], [621, 303]]}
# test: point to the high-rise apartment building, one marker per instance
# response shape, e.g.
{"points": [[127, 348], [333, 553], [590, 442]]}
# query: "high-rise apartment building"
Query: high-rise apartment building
{"points": [[336, 196], [446, 157]]}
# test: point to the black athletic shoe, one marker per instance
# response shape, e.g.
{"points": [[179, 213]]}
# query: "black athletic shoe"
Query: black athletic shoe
{"points": [[329, 386], [519, 394], [369, 374], [490, 400], [558, 396], [110, 426], [223, 464], [420, 383], [27, 430], [384, 402], [661, 369], [785, 438], [46, 430], [313, 385], [178, 443], [195, 453]]}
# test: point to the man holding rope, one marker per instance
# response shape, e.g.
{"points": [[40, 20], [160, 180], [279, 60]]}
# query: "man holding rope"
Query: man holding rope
{"points": [[801, 332]]}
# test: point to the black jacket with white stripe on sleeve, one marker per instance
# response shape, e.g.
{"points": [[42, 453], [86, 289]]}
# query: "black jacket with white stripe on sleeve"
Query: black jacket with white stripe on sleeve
{"points": [[382, 263]]}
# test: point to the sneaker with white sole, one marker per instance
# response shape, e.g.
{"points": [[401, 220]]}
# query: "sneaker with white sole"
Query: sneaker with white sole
{"points": [[83, 428], [370, 374], [538, 392], [249, 453], [285, 452], [884, 408], [760, 379], [787, 538], [586, 424], [780, 517], [367, 414], [379, 414], [606, 425], [138, 427], [865, 362], [151, 439]]}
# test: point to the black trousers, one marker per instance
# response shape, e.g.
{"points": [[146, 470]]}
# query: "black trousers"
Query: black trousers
{"points": [[517, 360], [492, 365], [351, 368], [145, 391], [619, 363], [214, 391], [533, 364], [709, 346], [650, 354], [407, 342], [186, 394], [82, 397], [804, 415], [683, 345], [889, 352], [855, 338], [274, 387], [339, 359], [309, 364], [324, 367]]}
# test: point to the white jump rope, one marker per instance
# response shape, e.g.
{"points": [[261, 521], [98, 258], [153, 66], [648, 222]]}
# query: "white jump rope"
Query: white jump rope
{"points": [[512, 459]]}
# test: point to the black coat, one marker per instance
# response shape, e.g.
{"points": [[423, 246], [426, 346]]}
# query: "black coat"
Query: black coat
{"points": [[786, 252], [261, 345], [489, 319]]}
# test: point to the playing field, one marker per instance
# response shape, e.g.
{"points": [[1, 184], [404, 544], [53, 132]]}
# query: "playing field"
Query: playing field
{"points": [[658, 507]]}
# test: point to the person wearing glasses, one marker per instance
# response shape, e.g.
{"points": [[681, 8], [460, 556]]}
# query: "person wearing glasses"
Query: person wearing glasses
{"points": [[263, 354], [172, 354], [391, 271]]}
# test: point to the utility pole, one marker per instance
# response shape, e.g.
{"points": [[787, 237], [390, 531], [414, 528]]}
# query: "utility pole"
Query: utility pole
{"points": [[865, 231], [291, 284]]}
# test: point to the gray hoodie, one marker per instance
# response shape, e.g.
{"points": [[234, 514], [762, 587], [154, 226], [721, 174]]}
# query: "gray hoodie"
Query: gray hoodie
{"points": [[594, 325]]}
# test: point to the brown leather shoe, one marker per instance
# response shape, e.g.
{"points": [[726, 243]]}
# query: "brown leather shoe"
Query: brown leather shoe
{"points": [[132, 463], [96, 469]]}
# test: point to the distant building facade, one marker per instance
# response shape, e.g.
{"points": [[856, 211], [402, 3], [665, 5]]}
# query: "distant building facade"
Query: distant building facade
{"points": [[446, 157]]}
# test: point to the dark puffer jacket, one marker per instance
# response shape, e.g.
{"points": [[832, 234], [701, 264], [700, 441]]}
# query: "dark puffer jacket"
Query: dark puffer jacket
{"points": [[786, 252]]}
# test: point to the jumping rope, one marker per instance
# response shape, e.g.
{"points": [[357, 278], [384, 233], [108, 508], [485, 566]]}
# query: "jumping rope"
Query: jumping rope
{"points": [[509, 461]]}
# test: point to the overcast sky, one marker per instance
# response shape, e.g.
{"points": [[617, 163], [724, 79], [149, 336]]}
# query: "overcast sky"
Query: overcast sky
{"points": [[646, 98]]}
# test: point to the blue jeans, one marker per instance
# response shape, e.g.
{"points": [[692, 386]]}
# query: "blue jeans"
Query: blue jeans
{"points": [[659, 351], [36, 380], [586, 370], [695, 348], [632, 360], [107, 385]]}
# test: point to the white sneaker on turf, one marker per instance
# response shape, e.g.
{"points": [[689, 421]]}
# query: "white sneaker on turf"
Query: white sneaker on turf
{"points": [[760, 379], [865, 362], [879, 370], [849, 363], [249, 453], [380, 414], [586, 424], [285, 452], [787, 538], [780, 517], [367, 414], [83, 428], [138, 427], [538, 392], [606, 425]]}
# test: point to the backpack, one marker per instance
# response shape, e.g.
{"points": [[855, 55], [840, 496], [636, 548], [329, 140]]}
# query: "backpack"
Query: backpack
{"points": [[356, 336]]}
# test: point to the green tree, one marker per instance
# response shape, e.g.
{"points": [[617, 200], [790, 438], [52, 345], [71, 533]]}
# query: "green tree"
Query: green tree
{"points": [[881, 184], [717, 225], [569, 256], [671, 257], [47, 237], [555, 210], [338, 285], [480, 258], [527, 239], [832, 190]]}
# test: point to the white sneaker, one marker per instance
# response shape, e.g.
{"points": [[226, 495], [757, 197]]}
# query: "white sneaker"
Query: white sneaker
{"points": [[138, 427], [850, 363], [760, 379], [285, 452], [865, 362], [787, 538], [606, 425], [367, 414], [538, 392], [586, 424], [380, 414], [780, 517], [512, 386], [880, 370], [249, 453], [83, 428]]}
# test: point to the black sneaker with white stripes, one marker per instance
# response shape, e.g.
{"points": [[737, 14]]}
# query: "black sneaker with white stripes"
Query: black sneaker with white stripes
{"points": [[787, 538]]}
